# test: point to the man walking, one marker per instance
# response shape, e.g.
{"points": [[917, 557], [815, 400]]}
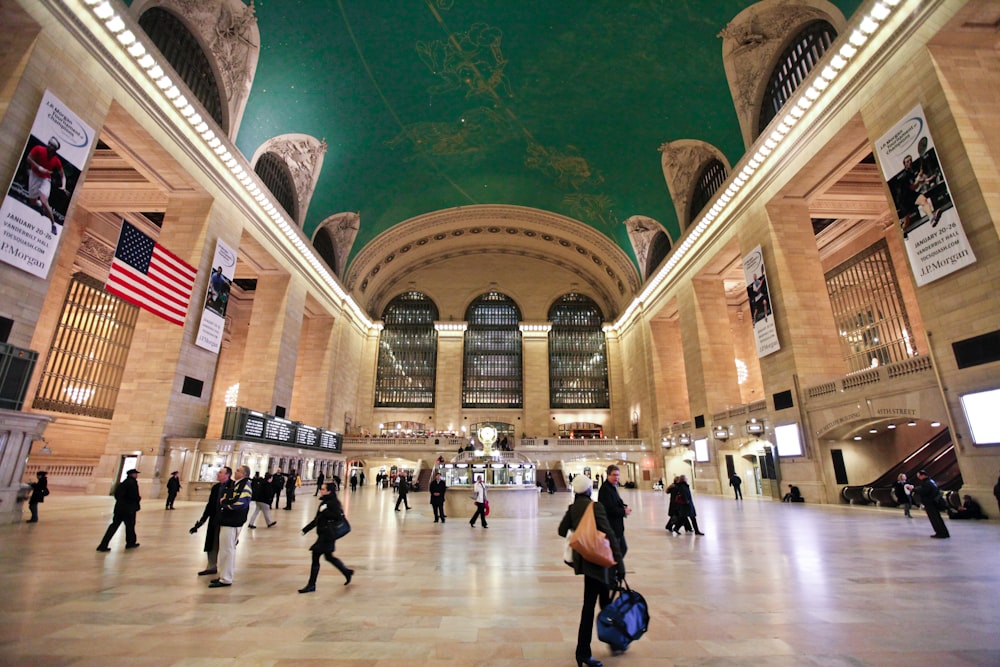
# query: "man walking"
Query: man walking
{"points": [[614, 506], [233, 509], [291, 482], [127, 501], [437, 490], [403, 489], [928, 492], [277, 483]]}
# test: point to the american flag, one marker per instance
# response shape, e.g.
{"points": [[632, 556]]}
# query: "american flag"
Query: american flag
{"points": [[148, 275]]}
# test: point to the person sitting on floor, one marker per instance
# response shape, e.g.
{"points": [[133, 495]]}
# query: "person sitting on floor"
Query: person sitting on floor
{"points": [[793, 495], [970, 509]]}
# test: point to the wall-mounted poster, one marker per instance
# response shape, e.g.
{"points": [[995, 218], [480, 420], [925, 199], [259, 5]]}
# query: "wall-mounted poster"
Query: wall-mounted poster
{"points": [[33, 213], [765, 333], [932, 231], [213, 316]]}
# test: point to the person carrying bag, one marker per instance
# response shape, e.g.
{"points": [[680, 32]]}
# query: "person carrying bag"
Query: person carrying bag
{"points": [[597, 579]]}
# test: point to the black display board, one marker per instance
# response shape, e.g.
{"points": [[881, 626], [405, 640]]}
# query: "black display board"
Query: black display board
{"points": [[246, 424]]}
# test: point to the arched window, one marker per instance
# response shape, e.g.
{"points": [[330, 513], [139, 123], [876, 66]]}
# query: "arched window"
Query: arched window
{"points": [[658, 251], [323, 243], [184, 53], [713, 175], [407, 353], [578, 359], [492, 375], [793, 66], [278, 179]]}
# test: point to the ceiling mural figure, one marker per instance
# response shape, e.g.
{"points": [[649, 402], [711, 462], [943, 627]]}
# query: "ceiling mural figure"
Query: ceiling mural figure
{"points": [[472, 60]]}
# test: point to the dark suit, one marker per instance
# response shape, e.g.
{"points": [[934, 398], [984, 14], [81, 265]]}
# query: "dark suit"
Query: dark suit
{"points": [[615, 508], [127, 501], [403, 489], [927, 491], [437, 490]]}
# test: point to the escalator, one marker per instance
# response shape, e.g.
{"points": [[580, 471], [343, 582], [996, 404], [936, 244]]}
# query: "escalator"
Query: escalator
{"points": [[936, 456]]}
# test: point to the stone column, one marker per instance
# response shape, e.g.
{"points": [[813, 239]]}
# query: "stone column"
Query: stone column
{"points": [[315, 375], [448, 387], [535, 351]]}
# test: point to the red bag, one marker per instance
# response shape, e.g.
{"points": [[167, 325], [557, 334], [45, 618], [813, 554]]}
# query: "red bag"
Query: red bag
{"points": [[486, 508], [591, 543]]}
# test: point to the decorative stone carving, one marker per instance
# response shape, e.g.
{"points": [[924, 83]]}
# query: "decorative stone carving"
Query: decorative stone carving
{"points": [[303, 155], [343, 229], [752, 42], [641, 232], [682, 162], [228, 32]]}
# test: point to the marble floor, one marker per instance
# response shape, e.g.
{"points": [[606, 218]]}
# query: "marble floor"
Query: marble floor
{"points": [[770, 584]]}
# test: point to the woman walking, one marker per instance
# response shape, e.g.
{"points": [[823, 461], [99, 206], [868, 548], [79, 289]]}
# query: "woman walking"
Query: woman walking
{"points": [[329, 514], [597, 580]]}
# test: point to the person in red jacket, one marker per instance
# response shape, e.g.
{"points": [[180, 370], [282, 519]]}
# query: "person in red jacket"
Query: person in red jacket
{"points": [[43, 163]]}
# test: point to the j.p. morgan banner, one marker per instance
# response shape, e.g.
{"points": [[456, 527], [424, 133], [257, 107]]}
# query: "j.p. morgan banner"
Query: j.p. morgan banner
{"points": [[33, 213], [765, 333], [933, 234], [213, 316]]}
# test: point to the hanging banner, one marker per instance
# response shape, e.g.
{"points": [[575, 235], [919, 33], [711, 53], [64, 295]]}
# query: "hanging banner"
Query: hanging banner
{"points": [[213, 317], [932, 232], [33, 213], [765, 333]]}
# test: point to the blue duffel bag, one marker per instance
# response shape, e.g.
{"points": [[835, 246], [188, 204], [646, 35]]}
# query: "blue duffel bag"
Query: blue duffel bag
{"points": [[624, 619]]}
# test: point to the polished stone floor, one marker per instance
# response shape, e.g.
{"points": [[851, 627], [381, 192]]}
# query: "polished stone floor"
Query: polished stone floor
{"points": [[770, 584]]}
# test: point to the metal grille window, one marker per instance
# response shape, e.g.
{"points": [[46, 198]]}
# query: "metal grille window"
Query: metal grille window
{"points": [[407, 353], [84, 367], [578, 360], [492, 377], [713, 175], [870, 315], [278, 179], [793, 67], [185, 55]]}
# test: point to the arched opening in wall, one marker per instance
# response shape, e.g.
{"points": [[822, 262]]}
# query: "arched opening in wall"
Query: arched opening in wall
{"points": [[323, 243], [407, 353], [804, 51], [713, 175], [278, 179], [185, 54], [492, 369], [578, 360], [658, 251]]}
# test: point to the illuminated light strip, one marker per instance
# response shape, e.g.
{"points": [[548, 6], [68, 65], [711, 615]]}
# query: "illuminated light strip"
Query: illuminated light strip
{"points": [[867, 27], [135, 49]]}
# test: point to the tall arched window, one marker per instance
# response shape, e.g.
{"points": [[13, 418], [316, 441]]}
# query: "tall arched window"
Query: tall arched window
{"points": [[578, 359], [492, 376], [278, 179], [184, 53], [713, 175], [658, 251], [407, 353], [793, 67]]}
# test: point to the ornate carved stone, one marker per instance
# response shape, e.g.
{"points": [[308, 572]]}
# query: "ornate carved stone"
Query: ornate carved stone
{"points": [[752, 43], [641, 231], [682, 162], [343, 229], [303, 155], [228, 31]]}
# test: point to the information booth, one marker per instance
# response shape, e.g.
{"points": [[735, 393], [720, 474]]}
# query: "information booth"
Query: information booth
{"points": [[511, 487]]}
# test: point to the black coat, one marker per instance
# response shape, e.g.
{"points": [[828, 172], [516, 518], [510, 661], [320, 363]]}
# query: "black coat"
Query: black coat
{"points": [[39, 490], [127, 496], [437, 487], [211, 515], [328, 515], [571, 520], [681, 502], [614, 507]]}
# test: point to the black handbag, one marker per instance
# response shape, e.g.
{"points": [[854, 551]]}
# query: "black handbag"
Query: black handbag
{"points": [[341, 528]]}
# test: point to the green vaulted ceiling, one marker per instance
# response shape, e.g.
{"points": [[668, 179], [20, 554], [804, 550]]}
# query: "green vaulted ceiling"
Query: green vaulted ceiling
{"points": [[559, 105]]}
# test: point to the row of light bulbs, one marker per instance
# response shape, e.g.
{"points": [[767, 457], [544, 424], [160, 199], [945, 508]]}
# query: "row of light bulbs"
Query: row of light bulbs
{"points": [[233, 160], [867, 26]]}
